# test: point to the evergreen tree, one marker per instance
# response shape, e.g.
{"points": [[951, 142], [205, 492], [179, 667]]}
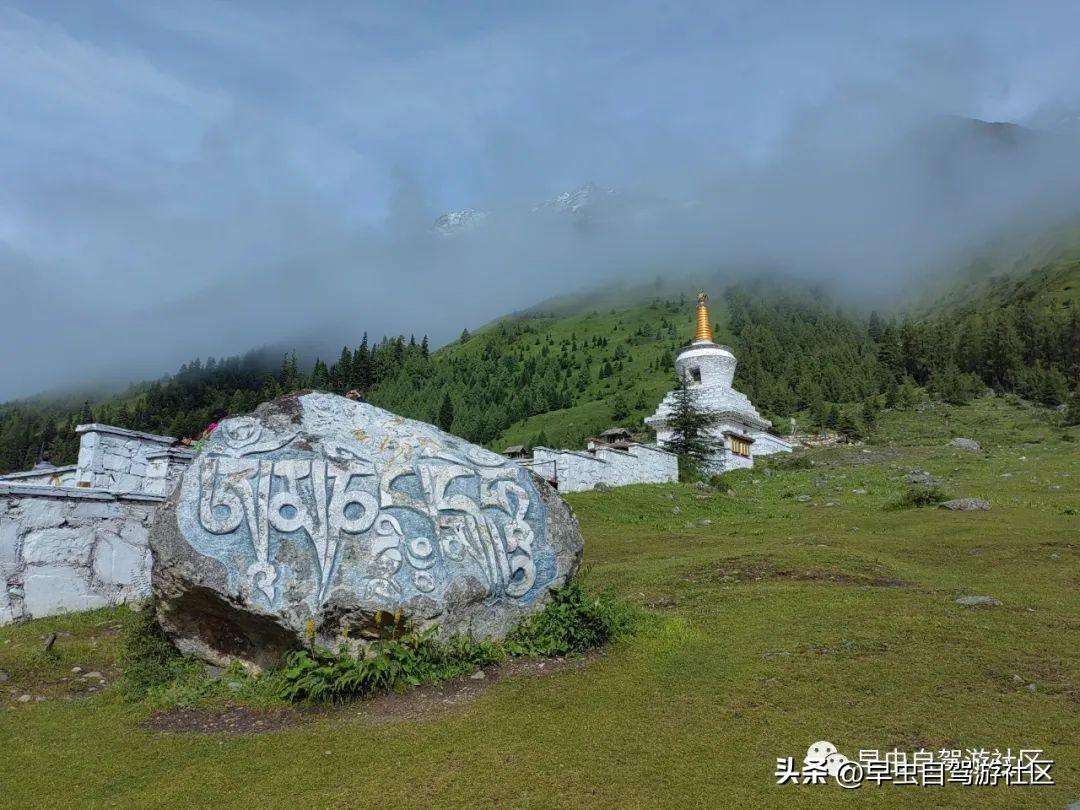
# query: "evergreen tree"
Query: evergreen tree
{"points": [[445, 418], [691, 436], [320, 376]]}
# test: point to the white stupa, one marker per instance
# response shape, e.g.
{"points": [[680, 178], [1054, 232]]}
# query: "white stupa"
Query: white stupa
{"points": [[709, 369]]}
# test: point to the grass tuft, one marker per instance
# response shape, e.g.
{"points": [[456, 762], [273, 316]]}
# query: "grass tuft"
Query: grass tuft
{"points": [[918, 497]]}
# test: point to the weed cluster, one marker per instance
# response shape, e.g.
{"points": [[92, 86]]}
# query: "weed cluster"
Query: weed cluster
{"points": [[916, 497], [574, 622]]}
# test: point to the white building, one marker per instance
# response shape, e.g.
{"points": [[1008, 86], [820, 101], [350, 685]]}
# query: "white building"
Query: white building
{"points": [[709, 369], [75, 537]]}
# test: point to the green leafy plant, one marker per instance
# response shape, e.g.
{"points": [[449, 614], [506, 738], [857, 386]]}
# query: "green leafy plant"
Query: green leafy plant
{"points": [[412, 660], [573, 622]]}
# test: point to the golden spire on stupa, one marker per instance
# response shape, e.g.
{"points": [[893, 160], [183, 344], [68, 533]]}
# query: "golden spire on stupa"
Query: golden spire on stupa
{"points": [[704, 330]]}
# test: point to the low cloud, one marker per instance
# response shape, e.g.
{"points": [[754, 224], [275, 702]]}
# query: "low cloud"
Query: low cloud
{"points": [[179, 186]]}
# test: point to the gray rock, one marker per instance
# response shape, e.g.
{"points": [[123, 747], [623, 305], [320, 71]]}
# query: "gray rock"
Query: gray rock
{"points": [[25, 698], [318, 520], [675, 510], [970, 445], [5, 676], [978, 601], [1031, 687], [965, 505], [858, 491], [479, 675], [803, 498]]}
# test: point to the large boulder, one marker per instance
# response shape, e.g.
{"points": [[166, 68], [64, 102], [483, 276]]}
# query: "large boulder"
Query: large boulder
{"points": [[322, 520]]}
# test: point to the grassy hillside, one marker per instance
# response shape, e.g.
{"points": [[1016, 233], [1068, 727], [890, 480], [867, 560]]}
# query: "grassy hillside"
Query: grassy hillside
{"points": [[795, 607], [604, 367], [575, 365]]}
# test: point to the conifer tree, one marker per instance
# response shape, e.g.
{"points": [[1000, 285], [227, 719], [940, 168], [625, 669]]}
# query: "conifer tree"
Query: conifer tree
{"points": [[445, 418], [320, 375], [691, 437]]}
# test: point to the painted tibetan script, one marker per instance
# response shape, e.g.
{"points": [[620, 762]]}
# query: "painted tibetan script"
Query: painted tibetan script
{"points": [[406, 529]]}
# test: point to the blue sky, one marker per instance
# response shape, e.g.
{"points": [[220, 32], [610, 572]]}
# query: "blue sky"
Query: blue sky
{"points": [[199, 178]]}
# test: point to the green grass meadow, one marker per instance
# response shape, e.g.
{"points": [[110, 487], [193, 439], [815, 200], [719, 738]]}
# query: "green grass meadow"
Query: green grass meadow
{"points": [[773, 622]]}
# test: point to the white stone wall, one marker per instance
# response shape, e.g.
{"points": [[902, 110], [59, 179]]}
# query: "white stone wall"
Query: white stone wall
{"points": [[766, 443], [576, 471], [164, 469], [114, 458], [65, 549], [53, 477]]}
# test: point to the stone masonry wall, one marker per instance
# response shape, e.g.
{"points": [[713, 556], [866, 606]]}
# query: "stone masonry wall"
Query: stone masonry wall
{"points": [[49, 477], [114, 458], [64, 549], [577, 471]]}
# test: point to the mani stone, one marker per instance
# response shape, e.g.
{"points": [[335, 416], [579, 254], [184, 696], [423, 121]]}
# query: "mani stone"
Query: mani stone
{"points": [[965, 505], [318, 520], [965, 444]]}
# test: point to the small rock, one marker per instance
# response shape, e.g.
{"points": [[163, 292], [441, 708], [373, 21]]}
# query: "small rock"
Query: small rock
{"points": [[1031, 687], [5, 676], [42, 698], [94, 674], [479, 675], [978, 601], [858, 491], [705, 522], [802, 498], [966, 505], [76, 670], [731, 493], [701, 485], [24, 698], [676, 510], [1017, 679], [969, 445], [235, 686], [831, 503]]}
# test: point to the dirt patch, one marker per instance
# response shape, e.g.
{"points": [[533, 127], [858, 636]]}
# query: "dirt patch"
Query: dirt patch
{"points": [[432, 702], [415, 705], [740, 570], [229, 720]]}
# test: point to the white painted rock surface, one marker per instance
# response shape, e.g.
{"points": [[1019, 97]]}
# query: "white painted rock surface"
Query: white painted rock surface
{"points": [[320, 518]]}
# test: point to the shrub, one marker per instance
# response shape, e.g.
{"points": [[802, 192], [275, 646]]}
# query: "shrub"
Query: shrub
{"points": [[572, 623], [916, 497]]}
